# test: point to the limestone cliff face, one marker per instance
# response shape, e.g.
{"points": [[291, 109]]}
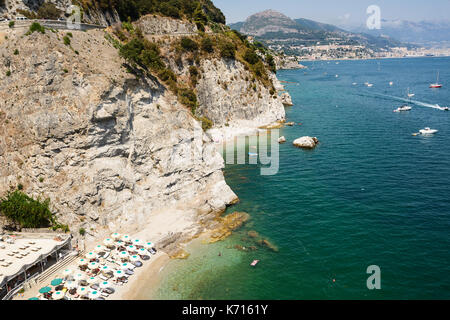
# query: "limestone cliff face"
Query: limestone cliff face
{"points": [[228, 97], [106, 148]]}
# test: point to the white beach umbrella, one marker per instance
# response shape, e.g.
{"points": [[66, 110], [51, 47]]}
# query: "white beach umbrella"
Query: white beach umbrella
{"points": [[125, 266], [116, 235], [94, 294], [71, 285], [67, 272], [148, 245], [126, 238], [79, 276], [142, 252], [134, 258], [105, 269], [93, 265], [120, 243], [118, 273], [131, 248], [83, 262], [92, 280], [137, 242], [105, 284], [99, 248], [82, 291], [57, 295], [92, 255], [108, 242], [123, 255]]}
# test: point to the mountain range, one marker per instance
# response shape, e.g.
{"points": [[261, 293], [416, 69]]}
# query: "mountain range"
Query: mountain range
{"points": [[426, 33], [275, 28]]}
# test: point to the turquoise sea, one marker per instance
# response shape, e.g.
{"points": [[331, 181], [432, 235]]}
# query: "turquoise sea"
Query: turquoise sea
{"points": [[370, 194]]}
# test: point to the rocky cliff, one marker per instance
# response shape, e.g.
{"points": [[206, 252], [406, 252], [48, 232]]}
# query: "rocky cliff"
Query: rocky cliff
{"points": [[105, 147], [108, 148]]}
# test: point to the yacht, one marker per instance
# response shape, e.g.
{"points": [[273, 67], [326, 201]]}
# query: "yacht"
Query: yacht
{"points": [[403, 108], [446, 108], [428, 131], [436, 85]]}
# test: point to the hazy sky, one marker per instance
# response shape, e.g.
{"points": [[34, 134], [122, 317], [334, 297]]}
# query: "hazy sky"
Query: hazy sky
{"points": [[341, 12]]}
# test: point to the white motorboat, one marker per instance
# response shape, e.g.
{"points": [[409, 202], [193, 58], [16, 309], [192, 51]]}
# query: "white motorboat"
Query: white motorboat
{"points": [[446, 108], [403, 108], [391, 83], [428, 131]]}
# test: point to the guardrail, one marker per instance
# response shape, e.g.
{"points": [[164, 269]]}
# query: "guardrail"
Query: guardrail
{"points": [[55, 24]]}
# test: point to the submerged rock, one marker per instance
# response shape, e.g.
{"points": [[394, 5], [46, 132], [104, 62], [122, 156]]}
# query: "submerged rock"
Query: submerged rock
{"points": [[227, 225], [268, 244], [253, 234], [306, 142]]}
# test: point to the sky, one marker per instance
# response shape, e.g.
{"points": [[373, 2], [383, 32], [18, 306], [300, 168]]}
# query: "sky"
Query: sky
{"points": [[338, 12]]}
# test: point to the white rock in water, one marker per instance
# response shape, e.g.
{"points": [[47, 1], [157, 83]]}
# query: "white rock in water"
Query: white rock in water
{"points": [[306, 142], [282, 139]]}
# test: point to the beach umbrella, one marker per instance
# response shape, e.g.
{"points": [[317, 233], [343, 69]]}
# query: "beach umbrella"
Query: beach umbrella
{"points": [[126, 238], [83, 262], [92, 280], [105, 284], [93, 265], [67, 272], [148, 245], [34, 298], [131, 248], [105, 269], [45, 290], [56, 282], [99, 248], [125, 266], [123, 255], [134, 258], [118, 273], [57, 295], [71, 285], [92, 255], [116, 235], [108, 242], [137, 242], [94, 294], [142, 252], [82, 291], [79, 277]]}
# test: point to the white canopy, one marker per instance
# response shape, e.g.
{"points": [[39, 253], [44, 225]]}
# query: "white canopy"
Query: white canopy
{"points": [[115, 235], [82, 291], [94, 294], [57, 295], [93, 265]]}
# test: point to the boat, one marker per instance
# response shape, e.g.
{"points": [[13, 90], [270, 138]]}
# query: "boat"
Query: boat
{"points": [[436, 85], [446, 108], [254, 263], [391, 83], [403, 108], [354, 83], [369, 84], [428, 131]]}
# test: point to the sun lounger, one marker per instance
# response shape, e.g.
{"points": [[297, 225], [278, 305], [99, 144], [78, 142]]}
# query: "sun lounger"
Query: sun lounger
{"points": [[105, 295]]}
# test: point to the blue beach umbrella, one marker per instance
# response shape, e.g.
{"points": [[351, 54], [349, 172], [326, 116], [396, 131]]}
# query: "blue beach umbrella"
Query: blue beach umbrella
{"points": [[56, 282], [45, 290]]}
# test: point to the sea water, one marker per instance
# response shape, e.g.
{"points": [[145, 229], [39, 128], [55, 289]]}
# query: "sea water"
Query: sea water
{"points": [[370, 194]]}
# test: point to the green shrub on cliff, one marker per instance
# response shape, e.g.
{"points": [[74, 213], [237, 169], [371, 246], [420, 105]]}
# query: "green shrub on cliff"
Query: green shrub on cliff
{"points": [[36, 27], [26, 211]]}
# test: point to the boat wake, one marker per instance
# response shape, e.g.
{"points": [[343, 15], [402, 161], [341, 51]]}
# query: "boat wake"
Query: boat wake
{"points": [[417, 103]]}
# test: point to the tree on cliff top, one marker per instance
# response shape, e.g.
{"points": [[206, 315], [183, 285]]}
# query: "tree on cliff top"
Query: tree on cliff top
{"points": [[171, 8]]}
